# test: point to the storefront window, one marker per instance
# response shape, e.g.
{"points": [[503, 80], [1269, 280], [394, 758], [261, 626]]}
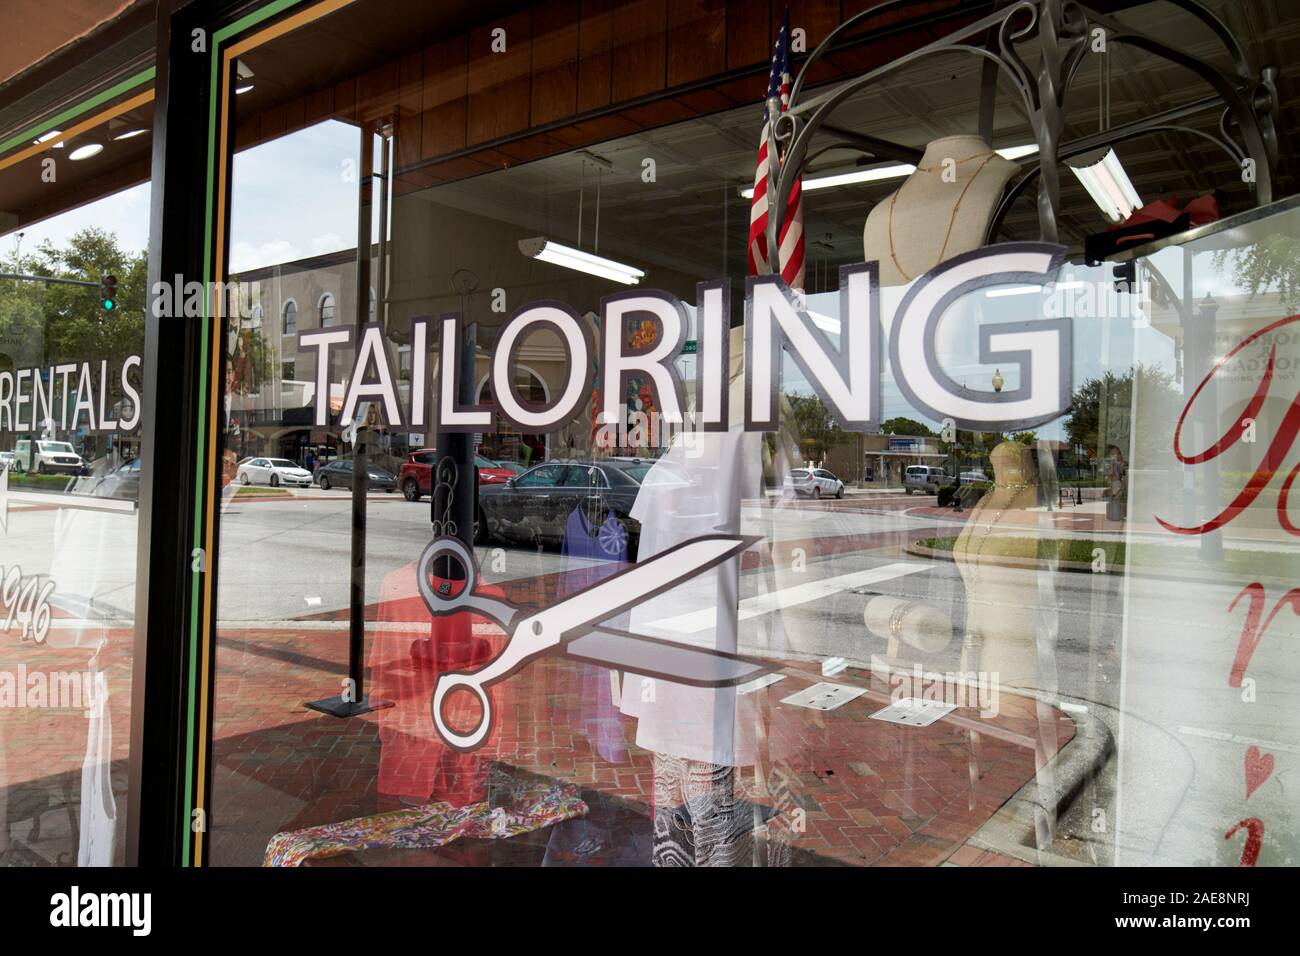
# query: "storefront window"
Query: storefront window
{"points": [[73, 295], [938, 547]]}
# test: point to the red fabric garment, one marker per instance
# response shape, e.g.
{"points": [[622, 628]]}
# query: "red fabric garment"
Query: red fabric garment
{"points": [[414, 761], [1200, 210]]}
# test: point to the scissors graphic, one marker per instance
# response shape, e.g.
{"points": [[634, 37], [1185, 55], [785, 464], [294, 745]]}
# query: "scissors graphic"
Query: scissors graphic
{"points": [[573, 624]]}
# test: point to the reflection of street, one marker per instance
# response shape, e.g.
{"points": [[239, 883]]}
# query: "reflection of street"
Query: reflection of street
{"points": [[284, 566]]}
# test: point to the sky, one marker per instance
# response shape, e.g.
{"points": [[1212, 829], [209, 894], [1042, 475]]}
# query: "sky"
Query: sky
{"points": [[291, 198], [295, 197], [125, 214]]}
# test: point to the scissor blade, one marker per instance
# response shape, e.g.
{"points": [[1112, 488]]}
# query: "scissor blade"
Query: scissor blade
{"points": [[576, 615], [668, 660]]}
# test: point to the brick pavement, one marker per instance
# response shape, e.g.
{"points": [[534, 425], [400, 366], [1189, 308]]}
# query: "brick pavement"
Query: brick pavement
{"points": [[872, 793]]}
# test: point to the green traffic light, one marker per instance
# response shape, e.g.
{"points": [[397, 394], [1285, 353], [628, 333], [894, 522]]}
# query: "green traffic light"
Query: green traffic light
{"points": [[109, 305]]}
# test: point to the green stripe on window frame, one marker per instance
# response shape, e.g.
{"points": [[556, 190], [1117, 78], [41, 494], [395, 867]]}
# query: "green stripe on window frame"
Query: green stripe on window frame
{"points": [[29, 136]]}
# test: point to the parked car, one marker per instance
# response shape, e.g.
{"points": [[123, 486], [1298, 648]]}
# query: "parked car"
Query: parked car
{"points": [[813, 483], [273, 472], [48, 457], [927, 479], [535, 507], [122, 482], [972, 477], [338, 474], [7, 460], [416, 475]]}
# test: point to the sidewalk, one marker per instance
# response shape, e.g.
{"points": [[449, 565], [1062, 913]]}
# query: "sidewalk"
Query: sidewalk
{"points": [[872, 793]]}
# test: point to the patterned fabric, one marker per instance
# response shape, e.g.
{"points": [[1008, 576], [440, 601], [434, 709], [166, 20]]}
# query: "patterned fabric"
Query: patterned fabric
{"points": [[515, 808], [701, 820]]}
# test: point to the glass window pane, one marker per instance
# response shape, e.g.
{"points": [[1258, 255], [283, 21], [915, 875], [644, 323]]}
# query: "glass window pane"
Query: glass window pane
{"points": [[73, 300]]}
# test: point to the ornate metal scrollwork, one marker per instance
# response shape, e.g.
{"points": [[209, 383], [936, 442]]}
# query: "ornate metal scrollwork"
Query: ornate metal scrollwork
{"points": [[1059, 31]]}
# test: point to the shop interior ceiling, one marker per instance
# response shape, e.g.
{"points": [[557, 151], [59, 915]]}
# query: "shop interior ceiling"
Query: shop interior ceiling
{"points": [[694, 210], [702, 164]]}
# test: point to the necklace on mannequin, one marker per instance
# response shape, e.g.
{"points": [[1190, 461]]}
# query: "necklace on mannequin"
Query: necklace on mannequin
{"points": [[985, 154], [977, 517], [893, 254]]}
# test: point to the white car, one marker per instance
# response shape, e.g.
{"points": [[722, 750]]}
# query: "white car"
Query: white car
{"points": [[973, 477], [813, 483], [273, 472], [47, 457], [7, 460]]}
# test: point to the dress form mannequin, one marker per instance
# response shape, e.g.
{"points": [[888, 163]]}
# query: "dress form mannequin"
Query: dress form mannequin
{"points": [[1001, 602], [703, 738], [963, 193]]}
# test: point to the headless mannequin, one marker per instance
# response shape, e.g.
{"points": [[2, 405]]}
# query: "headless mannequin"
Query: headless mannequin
{"points": [[923, 207], [1001, 602]]}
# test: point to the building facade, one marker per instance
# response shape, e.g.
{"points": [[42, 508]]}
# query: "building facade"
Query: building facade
{"points": [[598, 278]]}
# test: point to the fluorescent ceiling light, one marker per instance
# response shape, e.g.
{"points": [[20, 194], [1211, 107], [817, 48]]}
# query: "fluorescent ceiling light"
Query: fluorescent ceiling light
{"points": [[1018, 152], [86, 151], [542, 248], [876, 173], [1108, 185], [1001, 291], [1012, 290]]}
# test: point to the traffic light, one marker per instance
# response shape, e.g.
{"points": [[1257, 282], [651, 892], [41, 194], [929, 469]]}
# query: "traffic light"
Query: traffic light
{"points": [[108, 293]]}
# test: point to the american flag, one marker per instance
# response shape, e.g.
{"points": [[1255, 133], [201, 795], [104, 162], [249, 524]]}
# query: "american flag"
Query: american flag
{"points": [[791, 238]]}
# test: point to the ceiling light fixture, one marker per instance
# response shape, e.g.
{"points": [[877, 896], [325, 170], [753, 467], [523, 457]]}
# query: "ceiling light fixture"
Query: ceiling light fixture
{"points": [[1107, 183], [539, 247], [85, 151], [46, 137], [243, 78], [876, 173], [1001, 291], [120, 129]]}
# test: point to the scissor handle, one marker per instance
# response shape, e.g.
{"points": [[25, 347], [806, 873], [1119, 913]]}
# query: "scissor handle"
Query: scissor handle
{"points": [[454, 738], [447, 547]]}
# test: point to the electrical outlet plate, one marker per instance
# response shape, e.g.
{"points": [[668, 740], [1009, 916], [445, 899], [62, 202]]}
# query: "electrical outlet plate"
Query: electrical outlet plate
{"points": [[825, 696], [914, 712]]}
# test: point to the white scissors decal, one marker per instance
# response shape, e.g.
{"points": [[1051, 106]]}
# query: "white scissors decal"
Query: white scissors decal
{"points": [[573, 625]]}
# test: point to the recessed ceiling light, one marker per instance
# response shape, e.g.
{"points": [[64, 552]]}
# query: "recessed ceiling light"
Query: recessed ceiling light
{"points": [[240, 90], [85, 151], [129, 134], [46, 137]]}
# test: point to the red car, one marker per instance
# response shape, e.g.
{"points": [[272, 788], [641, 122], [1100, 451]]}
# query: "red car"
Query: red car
{"points": [[416, 477]]}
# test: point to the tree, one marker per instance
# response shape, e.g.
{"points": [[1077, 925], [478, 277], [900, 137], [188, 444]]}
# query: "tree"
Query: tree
{"points": [[813, 426], [44, 323], [900, 425], [77, 327], [1102, 411], [1273, 261], [251, 363]]}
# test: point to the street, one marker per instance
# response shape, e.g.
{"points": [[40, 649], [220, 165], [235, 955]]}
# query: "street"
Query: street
{"points": [[283, 561]]}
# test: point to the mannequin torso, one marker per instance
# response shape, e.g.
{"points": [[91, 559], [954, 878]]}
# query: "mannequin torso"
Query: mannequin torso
{"points": [[935, 217], [1001, 602]]}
